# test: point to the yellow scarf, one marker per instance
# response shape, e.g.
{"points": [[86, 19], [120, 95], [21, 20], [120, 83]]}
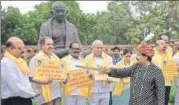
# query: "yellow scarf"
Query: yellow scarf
{"points": [[90, 63], [169, 50], [159, 59], [21, 64], [85, 91], [45, 88], [119, 86]]}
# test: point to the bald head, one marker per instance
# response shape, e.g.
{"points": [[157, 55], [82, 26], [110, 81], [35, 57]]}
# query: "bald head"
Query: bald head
{"points": [[15, 46], [58, 4], [59, 11], [97, 42], [12, 41], [97, 47]]}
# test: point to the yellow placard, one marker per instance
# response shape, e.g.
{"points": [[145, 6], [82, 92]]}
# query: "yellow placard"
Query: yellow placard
{"points": [[170, 68], [53, 69], [78, 78]]}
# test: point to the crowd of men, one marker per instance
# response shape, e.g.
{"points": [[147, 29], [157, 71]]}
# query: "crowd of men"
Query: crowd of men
{"points": [[144, 79], [142, 75]]}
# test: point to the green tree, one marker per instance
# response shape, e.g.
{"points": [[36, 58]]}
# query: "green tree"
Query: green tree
{"points": [[118, 25], [12, 18]]}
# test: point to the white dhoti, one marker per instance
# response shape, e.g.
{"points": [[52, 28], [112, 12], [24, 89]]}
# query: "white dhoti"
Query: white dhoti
{"points": [[99, 99], [75, 100]]}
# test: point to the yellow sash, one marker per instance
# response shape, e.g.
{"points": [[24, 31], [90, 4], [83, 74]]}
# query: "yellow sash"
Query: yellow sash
{"points": [[159, 59], [90, 63], [85, 91], [45, 88], [119, 86], [21, 63]]}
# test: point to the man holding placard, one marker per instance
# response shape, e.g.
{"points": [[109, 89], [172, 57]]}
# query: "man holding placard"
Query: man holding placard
{"points": [[101, 88], [166, 40], [16, 88], [163, 59], [77, 88], [45, 67]]}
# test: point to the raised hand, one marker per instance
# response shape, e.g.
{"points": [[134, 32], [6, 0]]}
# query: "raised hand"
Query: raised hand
{"points": [[107, 69]]}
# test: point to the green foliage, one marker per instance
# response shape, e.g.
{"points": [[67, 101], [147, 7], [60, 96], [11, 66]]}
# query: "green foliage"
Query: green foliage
{"points": [[172, 94], [11, 20], [118, 25]]}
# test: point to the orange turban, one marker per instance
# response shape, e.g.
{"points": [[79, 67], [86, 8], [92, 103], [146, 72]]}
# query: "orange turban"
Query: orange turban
{"points": [[146, 49]]}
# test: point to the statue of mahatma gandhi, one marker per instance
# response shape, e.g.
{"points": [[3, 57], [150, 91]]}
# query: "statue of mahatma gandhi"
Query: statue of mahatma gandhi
{"points": [[60, 29]]}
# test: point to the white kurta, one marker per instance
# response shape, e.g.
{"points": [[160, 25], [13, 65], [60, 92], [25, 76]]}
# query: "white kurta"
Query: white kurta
{"points": [[54, 86], [13, 82], [75, 99], [100, 94]]}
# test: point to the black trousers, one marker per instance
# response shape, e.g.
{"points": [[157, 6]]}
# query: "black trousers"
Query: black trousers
{"points": [[110, 98], [167, 94], [16, 101]]}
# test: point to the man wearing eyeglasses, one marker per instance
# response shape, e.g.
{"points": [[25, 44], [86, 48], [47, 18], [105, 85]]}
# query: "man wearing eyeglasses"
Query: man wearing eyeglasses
{"points": [[79, 95], [161, 58]]}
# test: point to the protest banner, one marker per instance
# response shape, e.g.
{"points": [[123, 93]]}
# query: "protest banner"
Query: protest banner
{"points": [[170, 68], [52, 69], [78, 78]]}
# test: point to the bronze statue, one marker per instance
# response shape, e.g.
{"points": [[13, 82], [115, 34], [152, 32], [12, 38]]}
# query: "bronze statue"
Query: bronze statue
{"points": [[60, 29]]}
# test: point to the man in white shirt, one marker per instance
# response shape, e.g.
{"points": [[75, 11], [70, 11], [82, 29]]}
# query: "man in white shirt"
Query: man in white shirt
{"points": [[176, 58], [77, 96], [15, 84], [101, 89], [46, 44]]}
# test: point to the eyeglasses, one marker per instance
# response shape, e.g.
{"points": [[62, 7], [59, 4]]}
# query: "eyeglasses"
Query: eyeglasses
{"points": [[75, 48]]}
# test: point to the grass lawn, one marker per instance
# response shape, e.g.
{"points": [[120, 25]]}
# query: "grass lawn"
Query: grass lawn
{"points": [[172, 97]]}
